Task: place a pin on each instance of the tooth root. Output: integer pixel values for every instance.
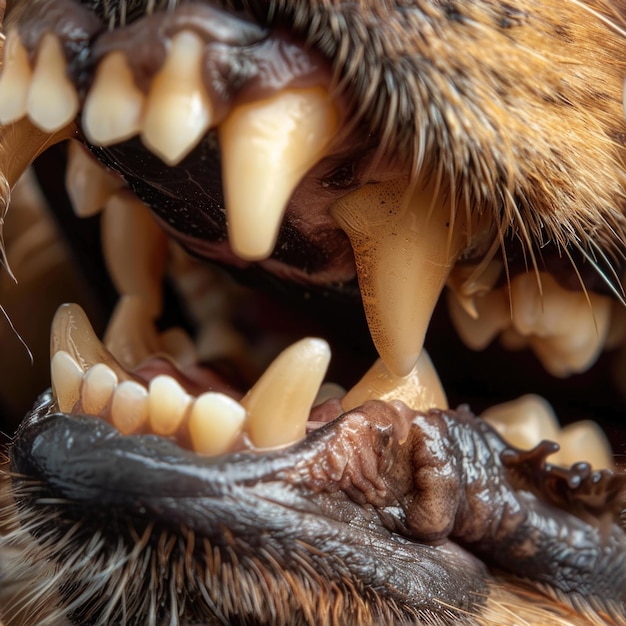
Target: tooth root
(524, 422)
(89, 185)
(267, 147)
(420, 390)
(15, 79)
(52, 101)
(215, 422)
(584, 441)
(135, 249)
(167, 405)
(280, 402)
(178, 111)
(129, 407)
(99, 383)
(113, 108)
(72, 333)
(66, 375)
(403, 252)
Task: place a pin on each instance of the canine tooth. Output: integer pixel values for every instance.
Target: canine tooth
(129, 407)
(72, 333)
(114, 106)
(167, 404)
(524, 422)
(15, 79)
(66, 376)
(89, 185)
(178, 111)
(420, 390)
(267, 147)
(215, 422)
(403, 249)
(584, 441)
(135, 249)
(52, 101)
(280, 402)
(99, 383)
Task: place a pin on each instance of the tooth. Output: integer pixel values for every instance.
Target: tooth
(565, 330)
(167, 405)
(114, 106)
(215, 422)
(72, 333)
(14, 80)
(89, 185)
(420, 390)
(524, 422)
(267, 147)
(135, 249)
(466, 282)
(178, 111)
(329, 391)
(66, 376)
(584, 441)
(403, 249)
(280, 402)
(52, 101)
(98, 386)
(129, 407)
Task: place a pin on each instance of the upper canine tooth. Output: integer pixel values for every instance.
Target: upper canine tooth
(52, 101)
(114, 106)
(280, 402)
(14, 80)
(404, 249)
(420, 390)
(267, 147)
(178, 110)
(89, 185)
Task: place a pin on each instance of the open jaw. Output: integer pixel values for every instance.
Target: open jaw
(337, 148)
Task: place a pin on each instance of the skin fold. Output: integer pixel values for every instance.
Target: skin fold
(381, 514)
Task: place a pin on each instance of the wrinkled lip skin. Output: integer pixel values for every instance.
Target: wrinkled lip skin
(393, 509)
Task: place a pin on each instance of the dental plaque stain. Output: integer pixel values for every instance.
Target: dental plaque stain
(282, 192)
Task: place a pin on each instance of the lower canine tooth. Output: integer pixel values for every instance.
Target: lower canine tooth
(178, 111)
(129, 407)
(167, 405)
(66, 376)
(52, 101)
(215, 422)
(267, 147)
(14, 80)
(404, 249)
(280, 402)
(98, 386)
(114, 106)
(420, 390)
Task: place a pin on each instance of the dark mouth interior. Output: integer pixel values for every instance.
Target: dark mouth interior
(308, 287)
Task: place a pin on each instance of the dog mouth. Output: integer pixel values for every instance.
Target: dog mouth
(227, 136)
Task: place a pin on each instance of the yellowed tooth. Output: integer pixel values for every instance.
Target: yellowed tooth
(404, 249)
(420, 390)
(524, 422)
(584, 441)
(99, 383)
(129, 407)
(15, 79)
(114, 106)
(52, 101)
(66, 376)
(215, 422)
(89, 185)
(178, 111)
(267, 147)
(280, 402)
(329, 391)
(167, 405)
(72, 333)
